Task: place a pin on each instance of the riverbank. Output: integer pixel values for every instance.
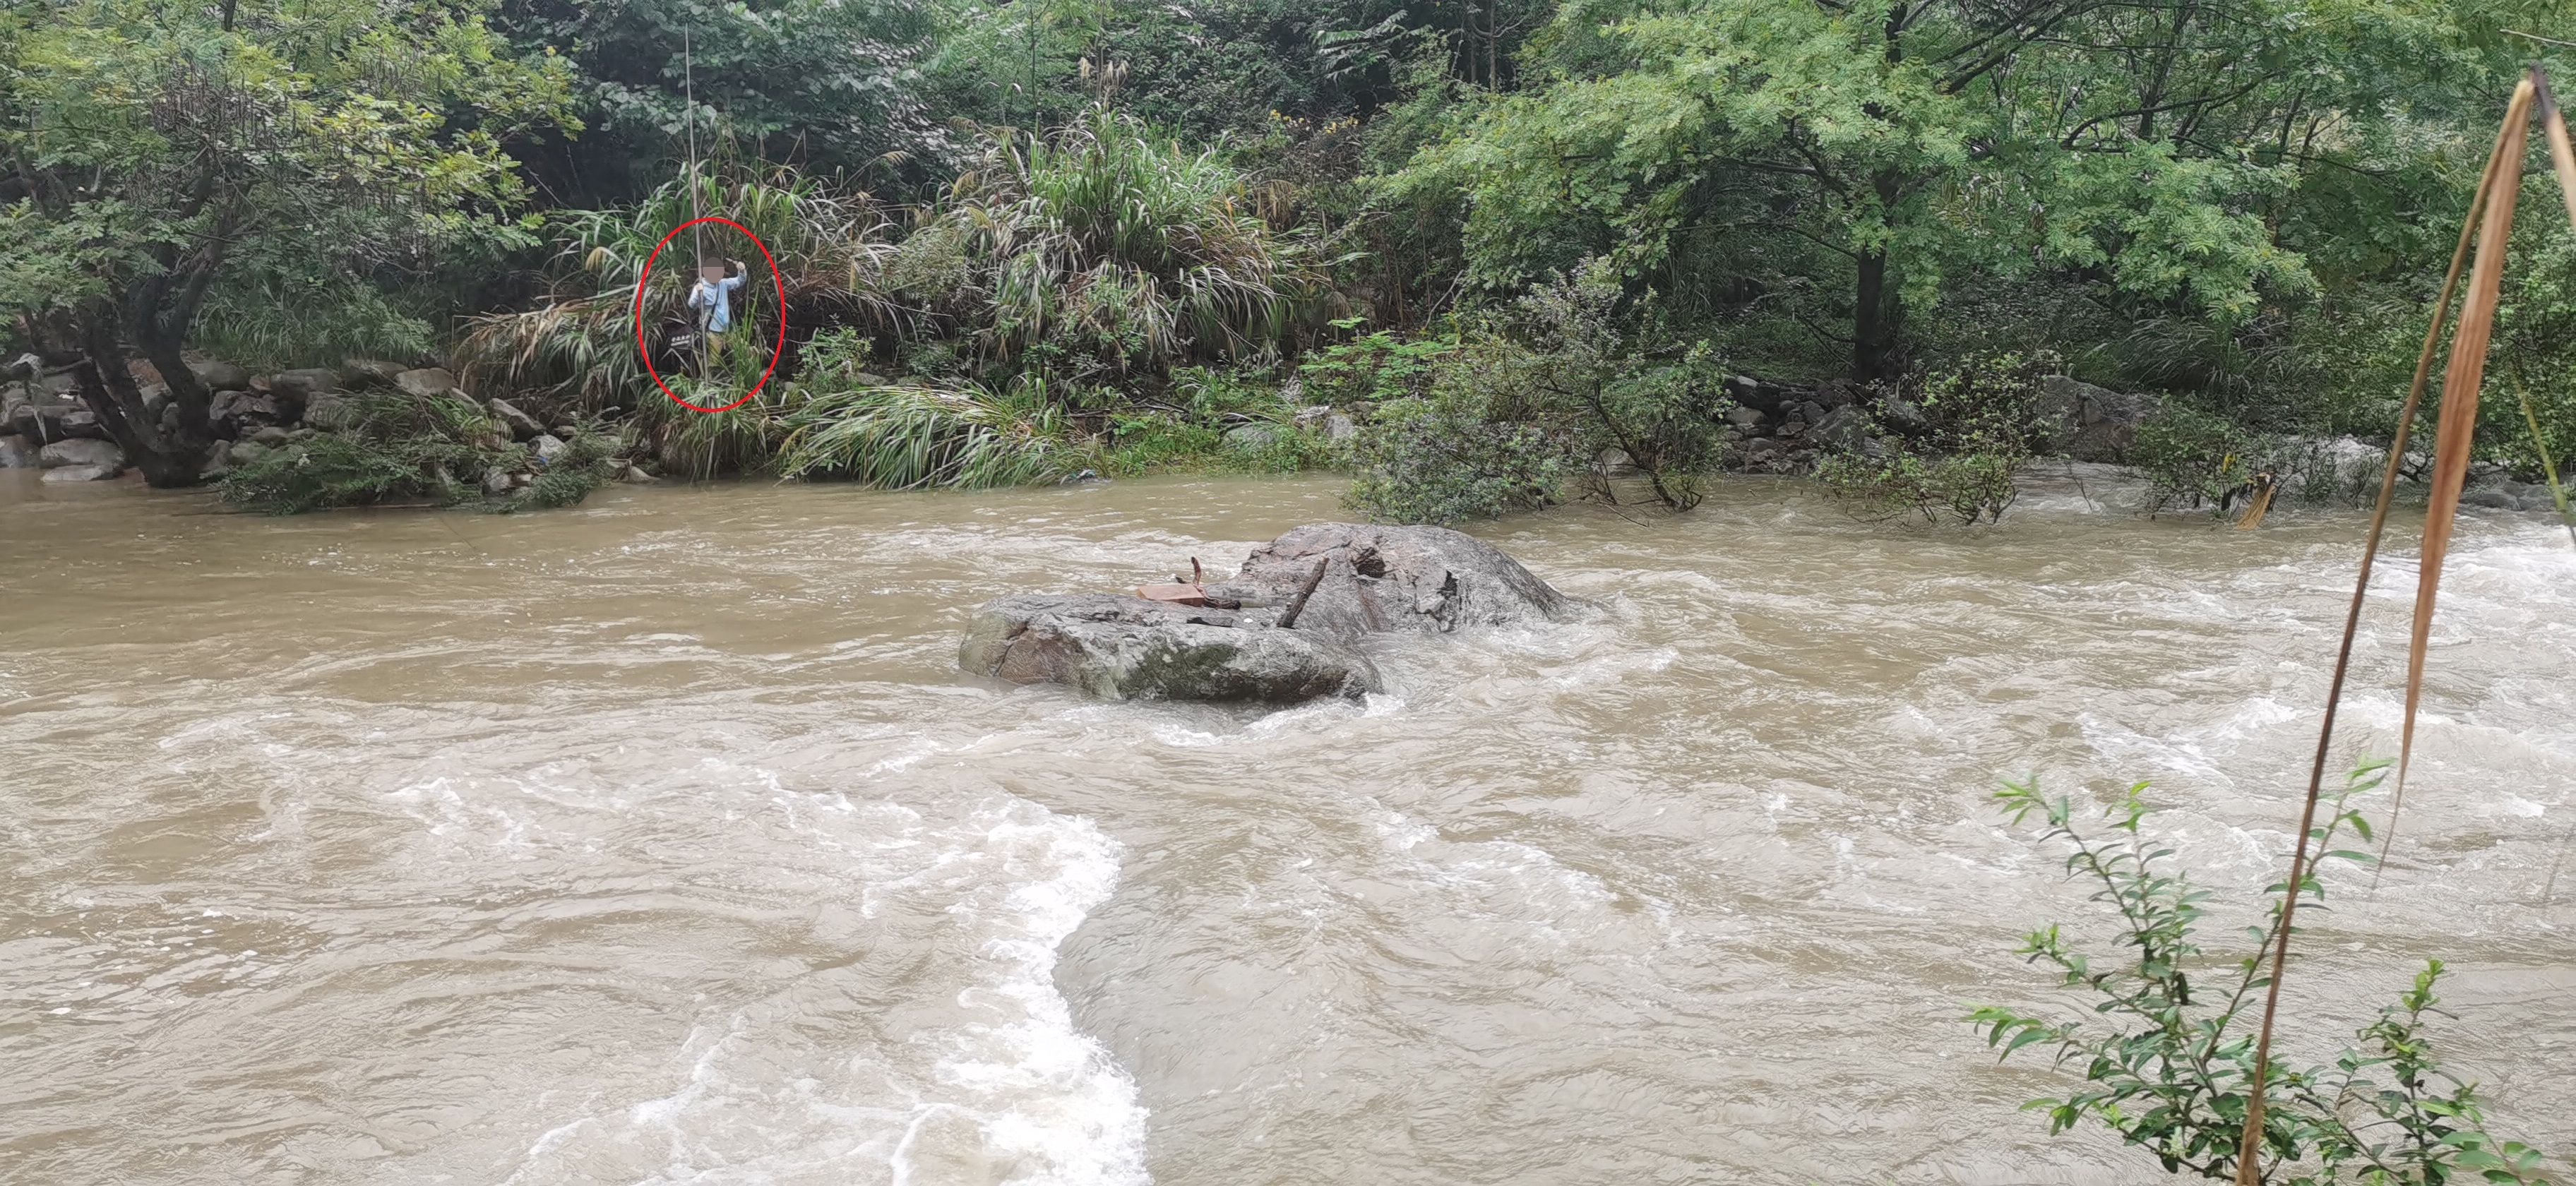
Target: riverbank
(660, 836)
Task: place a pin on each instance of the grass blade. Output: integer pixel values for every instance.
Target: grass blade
(2553, 128)
(2548, 464)
(2249, 1170)
(2456, 428)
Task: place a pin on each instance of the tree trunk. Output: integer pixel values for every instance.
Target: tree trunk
(1877, 315)
(106, 383)
(1873, 321)
(1493, 46)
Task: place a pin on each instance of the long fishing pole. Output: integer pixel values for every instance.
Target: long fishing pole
(697, 229)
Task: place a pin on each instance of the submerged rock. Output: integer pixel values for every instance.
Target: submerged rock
(80, 473)
(1127, 648)
(1379, 579)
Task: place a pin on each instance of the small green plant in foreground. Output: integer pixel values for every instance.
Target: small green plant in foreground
(2168, 1056)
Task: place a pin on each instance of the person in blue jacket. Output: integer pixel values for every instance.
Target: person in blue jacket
(711, 303)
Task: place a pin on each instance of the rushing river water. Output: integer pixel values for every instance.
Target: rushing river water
(659, 840)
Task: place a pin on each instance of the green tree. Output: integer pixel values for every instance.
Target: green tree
(827, 85)
(1851, 163)
(159, 153)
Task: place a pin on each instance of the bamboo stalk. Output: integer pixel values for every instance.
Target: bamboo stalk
(2250, 1146)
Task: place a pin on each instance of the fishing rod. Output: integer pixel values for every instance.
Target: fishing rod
(697, 228)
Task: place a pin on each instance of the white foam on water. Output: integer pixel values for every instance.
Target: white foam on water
(953, 1061)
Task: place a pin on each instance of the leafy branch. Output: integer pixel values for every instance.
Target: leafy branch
(2167, 1064)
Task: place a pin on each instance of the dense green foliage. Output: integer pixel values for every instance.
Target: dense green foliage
(1949, 446)
(1106, 253)
(2165, 1049)
(403, 450)
(168, 161)
(1525, 248)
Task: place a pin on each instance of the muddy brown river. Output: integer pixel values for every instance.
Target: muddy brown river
(659, 841)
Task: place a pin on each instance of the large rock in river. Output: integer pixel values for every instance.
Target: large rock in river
(1382, 579)
(1127, 648)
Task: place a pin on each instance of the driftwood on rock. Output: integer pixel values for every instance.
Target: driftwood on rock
(1392, 580)
(1285, 628)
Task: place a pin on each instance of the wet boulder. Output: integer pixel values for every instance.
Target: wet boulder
(522, 425)
(2091, 423)
(73, 453)
(370, 372)
(79, 473)
(1117, 647)
(52, 418)
(426, 382)
(240, 413)
(1351, 579)
(216, 375)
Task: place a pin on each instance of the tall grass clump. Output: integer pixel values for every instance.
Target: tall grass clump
(1105, 251)
(898, 437)
(577, 348)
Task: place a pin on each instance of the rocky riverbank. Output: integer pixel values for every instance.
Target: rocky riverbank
(45, 425)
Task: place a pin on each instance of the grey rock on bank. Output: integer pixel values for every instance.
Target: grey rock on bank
(371, 372)
(1843, 428)
(1127, 648)
(426, 382)
(522, 425)
(2092, 423)
(104, 454)
(241, 413)
(1392, 580)
(300, 385)
(217, 375)
(330, 412)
